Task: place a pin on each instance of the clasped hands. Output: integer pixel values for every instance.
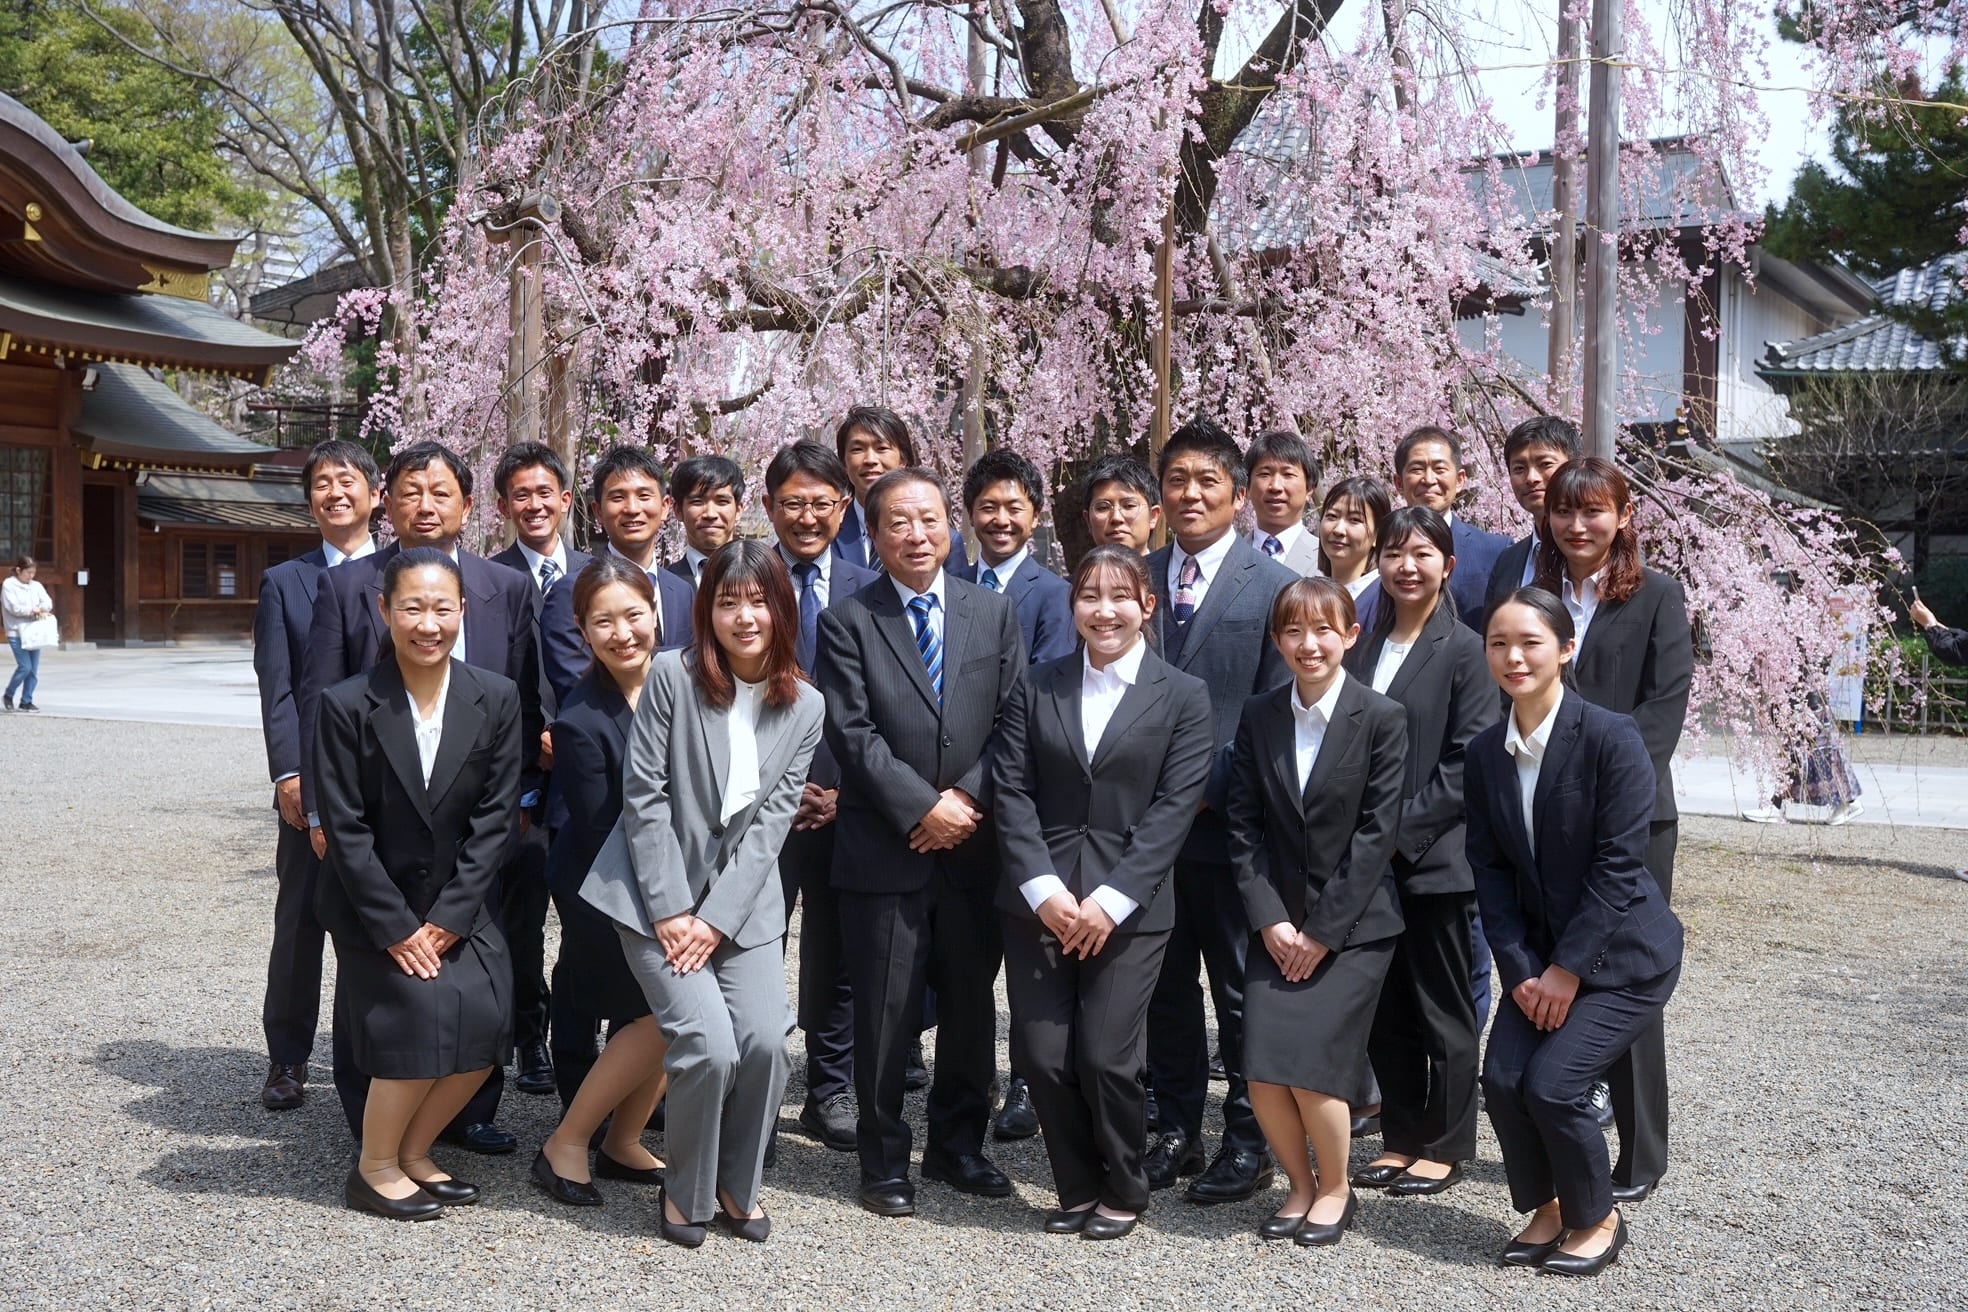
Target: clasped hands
(816, 807)
(1297, 953)
(1547, 999)
(953, 819)
(687, 941)
(1082, 928)
(423, 952)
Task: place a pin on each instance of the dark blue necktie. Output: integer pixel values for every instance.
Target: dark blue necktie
(927, 643)
(808, 574)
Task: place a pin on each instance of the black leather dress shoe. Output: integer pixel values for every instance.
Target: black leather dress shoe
(452, 1193)
(536, 1073)
(360, 1195)
(915, 1073)
(1632, 1193)
(574, 1193)
(1235, 1175)
(285, 1087)
(967, 1173)
(607, 1168)
(1366, 1127)
(1311, 1235)
(832, 1122)
(480, 1137)
(1519, 1253)
(1419, 1185)
(1067, 1223)
(1561, 1263)
(1108, 1227)
(1170, 1157)
(683, 1234)
(1280, 1227)
(1377, 1177)
(889, 1198)
(1600, 1099)
(1017, 1119)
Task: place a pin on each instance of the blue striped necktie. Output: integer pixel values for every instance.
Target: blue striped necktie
(927, 642)
(549, 575)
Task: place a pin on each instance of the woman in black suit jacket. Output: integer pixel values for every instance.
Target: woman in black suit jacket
(1425, 1031)
(616, 608)
(1559, 800)
(1635, 656)
(1102, 763)
(1315, 805)
(418, 768)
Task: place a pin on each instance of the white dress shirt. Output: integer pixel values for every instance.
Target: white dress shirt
(1309, 725)
(535, 559)
(1100, 696)
(695, 560)
(332, 555)
(1287, 539)
(1361, 584)
(650, 572)
(741, 775)
(1583, 601)
(1529, 754)
(1392, 656)
(1009, 566)
(429, 732)
(1530, 563)
(1208, 561)
(936, 612)
(823, 572)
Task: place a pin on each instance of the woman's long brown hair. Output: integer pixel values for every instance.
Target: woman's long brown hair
(739, 567)
(1592, 481)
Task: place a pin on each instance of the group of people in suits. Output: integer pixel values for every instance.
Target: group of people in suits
(1274, 760)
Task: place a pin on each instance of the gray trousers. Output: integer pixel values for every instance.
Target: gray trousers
(726, 1027)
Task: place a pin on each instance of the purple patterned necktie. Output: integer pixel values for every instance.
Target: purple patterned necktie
(1185, 590)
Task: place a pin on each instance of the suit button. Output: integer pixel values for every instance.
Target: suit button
(1083, 829)
(946, 740)
(716, 832)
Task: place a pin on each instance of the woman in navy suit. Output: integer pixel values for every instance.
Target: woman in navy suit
(1315, 805)
(615, 605)
(1560, 796)
(1103, 759)
(1635, 656)
(1424, 1039)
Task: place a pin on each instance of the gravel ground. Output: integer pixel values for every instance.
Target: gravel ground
(1820, 1048)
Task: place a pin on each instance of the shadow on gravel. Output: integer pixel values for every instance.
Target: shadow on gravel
(204, 1093)
(1834, 861)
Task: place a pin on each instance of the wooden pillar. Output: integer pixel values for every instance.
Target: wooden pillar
(1602, 221)
(66, 472)
(526, 381)
(129, 616)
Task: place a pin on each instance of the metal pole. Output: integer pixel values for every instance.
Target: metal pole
(1602, 204)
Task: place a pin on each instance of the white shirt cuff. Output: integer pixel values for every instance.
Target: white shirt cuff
(1036, 890)
(291, 774)
(1118, 905)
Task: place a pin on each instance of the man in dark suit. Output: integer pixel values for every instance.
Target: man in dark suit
(705, 493)
(1429, 470)
(534, 497)
(1284, 479)
(917, 669)
(871, 441)
(1123, 503)
(1532, 452)
(1213, 595)
(427, 496)
(630, 505)
(341, 481)
(806, 492)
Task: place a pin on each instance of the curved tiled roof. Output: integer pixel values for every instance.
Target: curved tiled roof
(1880, 343)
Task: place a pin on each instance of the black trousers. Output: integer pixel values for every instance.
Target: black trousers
(292, 1009)
(895, 942)
(826, 999)
(1079, 1036)
(1210, 931)
(1537, 1088)
(573, 1036)
(1424, 1038)
(523, 899)
(1638, 1080)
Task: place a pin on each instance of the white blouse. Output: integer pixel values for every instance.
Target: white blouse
(741, 775)
(430, 733)
(1392, 655)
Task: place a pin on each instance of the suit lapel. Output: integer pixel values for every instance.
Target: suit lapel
(1146, 690)
(1338, 736)
(483, 628)
(1433, 635)
(715, 725)
(1158, 568)
(1557, 758)
(1278, 744)
(1231, 576)
(1065, 696)
(464, 718)
(1607, 619)
(959, 618)
(397, 736)
(900, 631)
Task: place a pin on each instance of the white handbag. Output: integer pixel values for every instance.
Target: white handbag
(36, 634)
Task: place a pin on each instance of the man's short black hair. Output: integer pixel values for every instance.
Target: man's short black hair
(1203, 436)
(1544, 430)
(1003, 465)
(883, 423)
(420, 456)
(620, 460)
(1124, 469)
(338, 451)
(1426, 433)
(814, 459)
(702, 475)
(1286, 447)
(527, 455)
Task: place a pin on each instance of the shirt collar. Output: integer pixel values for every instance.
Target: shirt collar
(614, 551)
(1124, 669)
(1532, 748)
(1287, 537)
(1006, 568)
(1320, 711)
(533, 558)
(824, 562)
(334, 555)
(693, 560)
(908, 594)
(1208, 558)
(436, 720)
(1589, 590)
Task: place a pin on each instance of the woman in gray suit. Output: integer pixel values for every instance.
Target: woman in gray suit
(716, 761)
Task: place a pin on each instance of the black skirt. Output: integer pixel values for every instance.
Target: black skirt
(405, 1028)
(1312, 1035)
(591, 974)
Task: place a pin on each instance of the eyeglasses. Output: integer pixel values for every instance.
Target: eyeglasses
(821, 506)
